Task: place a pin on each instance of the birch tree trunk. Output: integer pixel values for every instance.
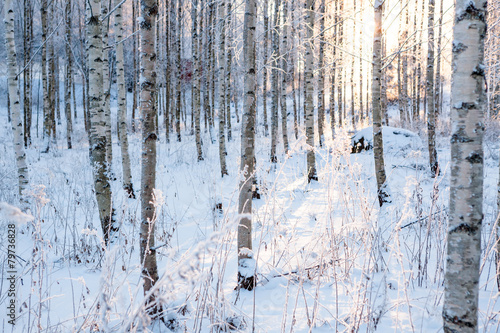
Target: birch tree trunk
(437, 84)
(122, 103)
(309, 110)
(274, 83)
(28, 44)
(148, 162)
(265, 71)
(227, 77)
(333, 77)
(196, 80)
(431, 113)
(15, 106)
(246, 262)
(179, 70)
(340, 85)
(378, 143)
(69, 75)
(105, 82)
(97, 119)
(45, 81)
(461, 281)
(222, 95)
(285, 77)
(321, 74)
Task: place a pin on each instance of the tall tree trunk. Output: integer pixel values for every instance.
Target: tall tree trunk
(196, 79)
(321, 74)
(106, 82)
(309, 111)
(179, 72)
(333, 77)
(246, 262)
(45, 81)
(340, 85)
(97, 119)
(361, 106)
(274, 83)
(353, 99)
(28, 37)
(15, 106)
(378, 143)
(285, 77)
(122, 102)
(265, 67)
(431, 113)
(292, 73)
(134, 63)
(461, 281)
(149, 11)
(227, 77)
(437, 85)
(222, 95)
(69, 75)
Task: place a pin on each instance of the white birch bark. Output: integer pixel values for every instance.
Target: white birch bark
(285, 77)
(378, 145)
(460, 308)
(222, 89)
(106, 82)
(246, 272)
(122, 103)
(196, 80)
(274, 83)
(69, 75)
(265, 70)
(431, 112)
(15, 105)
(309, 105)
(321, 74)
(147, 105)
(97, 119)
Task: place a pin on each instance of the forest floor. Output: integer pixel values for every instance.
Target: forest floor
(328, 259)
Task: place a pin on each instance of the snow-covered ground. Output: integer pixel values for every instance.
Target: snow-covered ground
(328, 259)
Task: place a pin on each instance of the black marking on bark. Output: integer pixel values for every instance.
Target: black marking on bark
(151, 137)
(459, 47)
(478, 71)
(466, 106)
(460, 138)
(471, 13)
(474, 158)
(152, 11)
(93, 20)
(464, 227)
(457, 320)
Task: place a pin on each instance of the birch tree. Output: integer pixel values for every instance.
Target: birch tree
(378, 143)
(69, 75)
(15, 105)
(431, 112)
(97, 118)
(285, 76)
(222, 95)
(246, 262)
(321, 73)
(122, 102)
(461, 281)
(309, 105)
(147, 107)
(196, 80)
(274, 83)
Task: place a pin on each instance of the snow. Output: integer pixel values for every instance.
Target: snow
(11, 214)
(327, 258)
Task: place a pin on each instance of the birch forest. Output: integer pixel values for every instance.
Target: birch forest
(250, 166)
